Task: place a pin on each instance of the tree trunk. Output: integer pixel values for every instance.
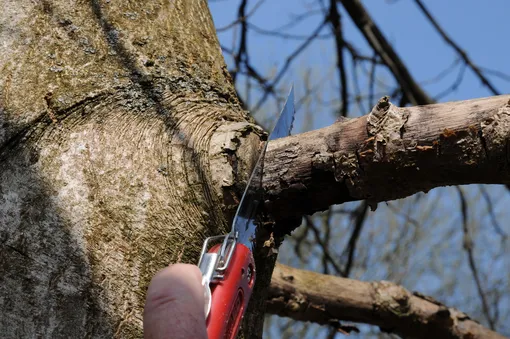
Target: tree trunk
(118, 138)
(123, 145)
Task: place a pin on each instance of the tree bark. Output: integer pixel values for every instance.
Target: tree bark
(123, 145)
(120, 135)
(389, 154)
(324, 299)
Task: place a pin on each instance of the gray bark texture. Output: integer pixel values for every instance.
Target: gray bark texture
(123, 146)
(119, 129)
(390, 153)
(325, 299)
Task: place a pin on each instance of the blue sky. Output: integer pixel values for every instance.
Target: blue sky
(481, 29)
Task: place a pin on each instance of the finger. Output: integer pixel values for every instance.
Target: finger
(174, 307)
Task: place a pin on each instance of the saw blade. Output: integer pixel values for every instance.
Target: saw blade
(243, 226)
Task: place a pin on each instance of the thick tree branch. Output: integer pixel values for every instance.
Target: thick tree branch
(388, 154)
(324, 299)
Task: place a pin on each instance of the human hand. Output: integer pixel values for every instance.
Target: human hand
(174, 307)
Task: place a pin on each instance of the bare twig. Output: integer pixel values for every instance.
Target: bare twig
(288, 36)
(492, 215)
(238, 57)
(455, 84)
(241, 19)
(496, 73)
(297, 19)
(323, 245)
(288, 61)
(443, 73)
(359, 221)
(410, 88)
(468, 246)
(326, 220)
(371, 89)
(456, 47)
(408, 218)
(336, 27)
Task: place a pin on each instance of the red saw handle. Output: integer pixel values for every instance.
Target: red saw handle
(230, 296)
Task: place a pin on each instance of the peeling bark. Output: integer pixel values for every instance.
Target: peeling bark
(389, 154)
(328, 300)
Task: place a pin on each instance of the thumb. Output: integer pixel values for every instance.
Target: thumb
(174, 307)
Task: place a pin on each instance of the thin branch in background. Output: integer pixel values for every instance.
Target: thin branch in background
(443, 73)
(455, 85)
(320, 84)
(288, 61)
(496, 73)
(459, 50)
(413, 93)
(297, 19)
(408, 218)
(360, 60)
(306, 101)
(242, 50)
(326, 221)
(378, 82)
(336, 26)
(492, 215)
(287, 323)
(356, 55)
(353, 99)
(320, 242)
(341, 211)
(241, 19)
(241, 57)
(263, 82)
(371, 83)
(299, 239)
(316, 88)
(248, 92)
(227, 50)
(359, 221)
(496, 296)
(287, 36)
(468, 246)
